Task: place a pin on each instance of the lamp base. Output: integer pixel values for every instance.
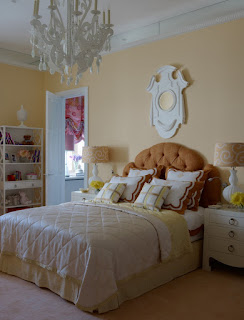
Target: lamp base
(94, 178)
(95, 175)
(232, 188)
(228, 191)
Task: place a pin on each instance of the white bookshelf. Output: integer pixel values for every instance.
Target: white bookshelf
(10, 148)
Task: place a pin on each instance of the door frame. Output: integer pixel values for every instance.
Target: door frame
(82, 91)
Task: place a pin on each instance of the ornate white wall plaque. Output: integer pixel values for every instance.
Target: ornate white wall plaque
(167, 110)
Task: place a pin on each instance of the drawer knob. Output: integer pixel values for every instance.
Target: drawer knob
(231, 234)
(231, 248)
(232, 221)
(15, 185)
(32, 184)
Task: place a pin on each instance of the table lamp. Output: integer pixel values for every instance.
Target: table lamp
(95, 155)
(230, 155)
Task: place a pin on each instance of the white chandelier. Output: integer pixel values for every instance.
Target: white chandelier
(79, 43)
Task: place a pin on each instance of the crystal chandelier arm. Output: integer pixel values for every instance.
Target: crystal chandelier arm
(86, 6)
(60, 21)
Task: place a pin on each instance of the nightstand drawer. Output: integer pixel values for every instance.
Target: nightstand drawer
(226, 232)
(82, 196)
(226, 246)
(226, 220)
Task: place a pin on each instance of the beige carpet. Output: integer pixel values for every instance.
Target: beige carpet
(199, 295)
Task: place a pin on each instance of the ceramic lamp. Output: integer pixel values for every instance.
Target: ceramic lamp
(95, 155)
(230, 155)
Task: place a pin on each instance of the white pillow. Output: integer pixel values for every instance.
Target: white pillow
(178, 175)
(179, 194)
(155, 172)
(111, 192)
(133, 186)
(151, 197)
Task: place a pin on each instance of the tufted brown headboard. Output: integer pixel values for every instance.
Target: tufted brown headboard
(182, 158)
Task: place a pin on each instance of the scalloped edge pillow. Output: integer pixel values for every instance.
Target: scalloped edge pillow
(179, 194)
(198, 175)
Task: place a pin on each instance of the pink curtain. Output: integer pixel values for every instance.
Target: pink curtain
(74, 118)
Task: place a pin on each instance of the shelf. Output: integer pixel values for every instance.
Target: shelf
(17, 163)
(21, 128)
(22, 145)
(21, 184)
(23, 205)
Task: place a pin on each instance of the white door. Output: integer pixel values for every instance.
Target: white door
(55, 149)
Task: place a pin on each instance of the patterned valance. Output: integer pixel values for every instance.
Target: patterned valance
(74, 118)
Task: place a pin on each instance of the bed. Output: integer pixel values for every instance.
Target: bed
(98, 255)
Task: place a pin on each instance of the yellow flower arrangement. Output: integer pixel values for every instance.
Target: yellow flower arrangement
(96, 185)
(237, 199)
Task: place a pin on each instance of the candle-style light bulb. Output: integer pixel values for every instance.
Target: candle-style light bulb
(108, 16)
(34, 10)
(104, 17)
(37, 7)
(95, 7)
(76, 5)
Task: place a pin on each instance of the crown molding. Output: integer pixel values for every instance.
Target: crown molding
(18, 59)
(223, 12)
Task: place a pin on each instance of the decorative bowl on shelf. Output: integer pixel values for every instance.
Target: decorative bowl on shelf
(31, 176)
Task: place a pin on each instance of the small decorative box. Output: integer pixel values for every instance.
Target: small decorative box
(31, 176)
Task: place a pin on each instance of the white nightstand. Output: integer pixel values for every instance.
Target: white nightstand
(81, 196)
(223, 237)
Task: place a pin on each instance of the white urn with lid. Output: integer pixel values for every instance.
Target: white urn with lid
(22, 116)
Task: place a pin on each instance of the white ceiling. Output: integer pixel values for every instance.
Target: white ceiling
(126, 15)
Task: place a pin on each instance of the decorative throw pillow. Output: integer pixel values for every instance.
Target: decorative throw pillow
(178, 175)
(179, 194)
(151, 197)
(111, 192)
(155, 172)
(199, 175)
(133, 186)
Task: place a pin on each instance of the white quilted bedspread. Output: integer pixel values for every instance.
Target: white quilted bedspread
(95, 244)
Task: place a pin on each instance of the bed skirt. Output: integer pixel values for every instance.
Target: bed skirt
(130, 288)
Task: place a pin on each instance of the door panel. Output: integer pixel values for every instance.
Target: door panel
(55, 149)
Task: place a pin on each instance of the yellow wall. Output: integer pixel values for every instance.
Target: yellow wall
(211, 60)
(21, 86)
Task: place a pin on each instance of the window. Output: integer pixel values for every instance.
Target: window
(72, 165)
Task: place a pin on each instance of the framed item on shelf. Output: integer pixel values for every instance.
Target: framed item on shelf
(6, 157)
(13, 158)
